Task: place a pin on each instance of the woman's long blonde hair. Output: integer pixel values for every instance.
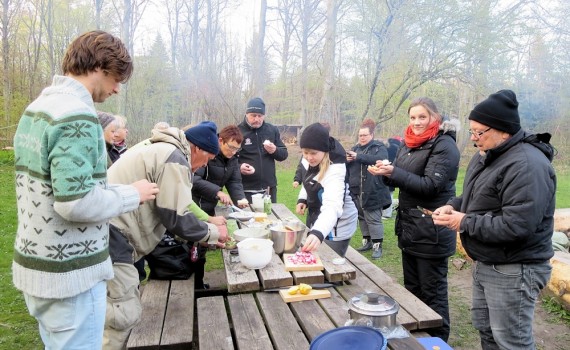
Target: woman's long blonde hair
(324, 166)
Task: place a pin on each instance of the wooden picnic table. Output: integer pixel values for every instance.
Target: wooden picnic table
(246, 317)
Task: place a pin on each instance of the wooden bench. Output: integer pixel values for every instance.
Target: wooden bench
(167, 320)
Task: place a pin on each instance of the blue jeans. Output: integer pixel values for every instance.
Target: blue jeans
(503, 303)
(72, 323)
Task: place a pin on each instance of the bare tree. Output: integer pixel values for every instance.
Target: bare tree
(328, 107)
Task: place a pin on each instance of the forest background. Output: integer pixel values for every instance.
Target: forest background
(336, 60)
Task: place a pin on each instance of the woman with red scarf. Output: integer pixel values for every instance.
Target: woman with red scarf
(425, 170)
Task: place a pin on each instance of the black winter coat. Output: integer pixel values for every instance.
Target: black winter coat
(373, 193)
(209, 180)
(254, 154)
(426, 177)
(509, 201)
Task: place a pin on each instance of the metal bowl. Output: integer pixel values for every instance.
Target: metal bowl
(287, 236)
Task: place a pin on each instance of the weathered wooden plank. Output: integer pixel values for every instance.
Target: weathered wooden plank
(179, 319)
(285, 332)
(311, 317)
(403, 317)
(282, 212)
(239, 277)
(146, 335)
(409, 343)
(336, 308)
(308, 277)
(213, 325)
(335, 273)
(426, 317)
(249, 330)
(274, 275)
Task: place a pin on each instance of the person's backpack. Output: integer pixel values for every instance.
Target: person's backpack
(172, 259)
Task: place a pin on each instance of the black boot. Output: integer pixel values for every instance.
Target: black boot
(366, 245)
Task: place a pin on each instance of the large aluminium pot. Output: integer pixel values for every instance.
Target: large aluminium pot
(374, 310)
(287, 236)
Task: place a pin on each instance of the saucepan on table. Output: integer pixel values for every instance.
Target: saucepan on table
(373, 310)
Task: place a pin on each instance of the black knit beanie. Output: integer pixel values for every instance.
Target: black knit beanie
(316, 137)
(499, 111)
(255, 105)
(205, 136)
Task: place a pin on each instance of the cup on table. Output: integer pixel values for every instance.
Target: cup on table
(257, 202)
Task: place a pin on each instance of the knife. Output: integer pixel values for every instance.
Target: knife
(314, 286)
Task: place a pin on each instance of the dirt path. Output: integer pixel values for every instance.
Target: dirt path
(548, 335)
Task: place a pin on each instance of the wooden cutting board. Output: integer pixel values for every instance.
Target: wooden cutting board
(314, 294)
(289, 266)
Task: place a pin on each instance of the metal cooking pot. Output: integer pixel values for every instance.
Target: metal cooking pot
(374, 310)
(287, 236)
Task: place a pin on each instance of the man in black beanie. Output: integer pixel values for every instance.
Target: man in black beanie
(261, 147)
(505, 218)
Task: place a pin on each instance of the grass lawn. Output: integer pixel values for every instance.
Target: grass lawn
(18, 330)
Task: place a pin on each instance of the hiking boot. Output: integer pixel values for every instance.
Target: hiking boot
(377, 250)
(366, 245)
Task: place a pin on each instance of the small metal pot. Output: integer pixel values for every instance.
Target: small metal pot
(374, 310)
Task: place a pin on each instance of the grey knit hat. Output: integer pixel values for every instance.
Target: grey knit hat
(105, 118)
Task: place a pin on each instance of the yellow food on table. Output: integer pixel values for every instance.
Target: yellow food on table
(293, 290)
(302, 288)
(305, 288)
(260, 217)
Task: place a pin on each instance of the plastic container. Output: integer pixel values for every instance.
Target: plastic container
(350, 338)
(255, 253)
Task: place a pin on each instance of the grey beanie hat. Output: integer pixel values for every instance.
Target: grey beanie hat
(105, 118)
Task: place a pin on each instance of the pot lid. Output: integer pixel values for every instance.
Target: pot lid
(373, 304)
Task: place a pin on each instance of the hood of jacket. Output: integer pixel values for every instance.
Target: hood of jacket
(174, 136)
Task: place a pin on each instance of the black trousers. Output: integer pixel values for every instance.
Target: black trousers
(427, 280)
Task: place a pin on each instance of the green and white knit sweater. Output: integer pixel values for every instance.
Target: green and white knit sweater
(64, 203)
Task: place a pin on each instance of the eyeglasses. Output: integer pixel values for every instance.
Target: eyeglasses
(233, 148)
(478, 134)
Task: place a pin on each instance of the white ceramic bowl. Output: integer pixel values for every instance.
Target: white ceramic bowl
(250, 232)
(255, 253)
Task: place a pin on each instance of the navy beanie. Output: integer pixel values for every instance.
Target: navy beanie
(316, 137)
(255, 105)
(205, 136)
(499, 111)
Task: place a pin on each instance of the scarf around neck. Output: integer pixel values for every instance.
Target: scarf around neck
(413, 141)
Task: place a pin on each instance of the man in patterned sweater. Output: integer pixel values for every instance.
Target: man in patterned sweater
(61, 252)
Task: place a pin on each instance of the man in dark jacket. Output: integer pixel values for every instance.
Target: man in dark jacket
(505, 218)
(262, 146)
(368, 191)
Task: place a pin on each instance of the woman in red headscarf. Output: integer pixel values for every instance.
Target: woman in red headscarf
(425, 170)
